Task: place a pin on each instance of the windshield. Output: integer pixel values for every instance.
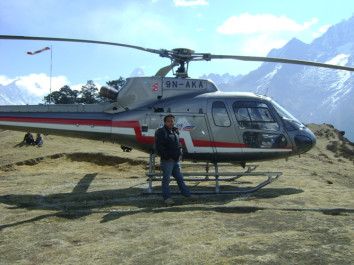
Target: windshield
(291, 123)
(254, 115)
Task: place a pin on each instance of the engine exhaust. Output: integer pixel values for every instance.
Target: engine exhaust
(109, 92)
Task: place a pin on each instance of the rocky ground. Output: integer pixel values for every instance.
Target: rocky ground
(75, 201)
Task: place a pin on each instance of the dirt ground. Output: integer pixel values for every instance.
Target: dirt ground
(76, 201)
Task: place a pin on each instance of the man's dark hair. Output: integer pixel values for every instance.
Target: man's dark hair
(169, 116)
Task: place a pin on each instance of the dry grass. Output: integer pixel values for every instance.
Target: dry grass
(79, 202)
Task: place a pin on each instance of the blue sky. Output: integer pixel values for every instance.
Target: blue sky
(251, 27)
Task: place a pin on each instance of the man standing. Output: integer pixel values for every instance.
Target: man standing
(170, 150)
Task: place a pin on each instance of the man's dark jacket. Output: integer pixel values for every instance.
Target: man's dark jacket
(170, 146)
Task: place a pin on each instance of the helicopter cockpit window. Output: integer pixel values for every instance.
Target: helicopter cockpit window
(254, 115)
(290, 122)
(220, 115)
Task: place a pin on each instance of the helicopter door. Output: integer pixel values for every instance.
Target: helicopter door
(194, 134)
(224, 133)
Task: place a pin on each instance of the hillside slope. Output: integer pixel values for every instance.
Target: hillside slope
(76, 201)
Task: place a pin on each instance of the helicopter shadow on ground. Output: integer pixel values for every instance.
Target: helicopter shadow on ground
(21, 144)
(215, 203)
(80, 202)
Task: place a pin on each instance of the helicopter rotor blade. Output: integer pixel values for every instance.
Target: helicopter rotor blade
(180, 56)
(165, 70)
(208, 57)
(13, 37)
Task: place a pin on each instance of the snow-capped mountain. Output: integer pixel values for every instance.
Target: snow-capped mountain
(311, 94)
(224, 81)
(11, 94)
(137, 72)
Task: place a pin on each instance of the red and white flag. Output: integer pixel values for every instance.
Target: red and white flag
(42, 50)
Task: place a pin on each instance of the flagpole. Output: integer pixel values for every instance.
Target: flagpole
(51, 67)
(50, 79)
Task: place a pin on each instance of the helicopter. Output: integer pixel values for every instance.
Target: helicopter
(214, 126)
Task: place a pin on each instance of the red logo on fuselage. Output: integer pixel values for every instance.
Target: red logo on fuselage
(155, 87)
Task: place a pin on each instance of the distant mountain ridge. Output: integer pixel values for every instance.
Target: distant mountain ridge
(11, 94)
(312, 94)
(225, 81)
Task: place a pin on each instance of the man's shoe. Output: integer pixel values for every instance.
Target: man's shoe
(169, 201)
(190, 198)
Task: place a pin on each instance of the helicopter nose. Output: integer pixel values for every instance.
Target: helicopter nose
(305, 141)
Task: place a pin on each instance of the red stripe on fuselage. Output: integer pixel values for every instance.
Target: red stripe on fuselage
(202, 143)
(136, 126)
(124, 124)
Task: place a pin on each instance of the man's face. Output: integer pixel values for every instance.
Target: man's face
(170, 123)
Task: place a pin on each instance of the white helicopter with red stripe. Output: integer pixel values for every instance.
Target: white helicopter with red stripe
(214, 126)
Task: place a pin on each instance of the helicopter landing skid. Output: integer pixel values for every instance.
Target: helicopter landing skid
(214, 176)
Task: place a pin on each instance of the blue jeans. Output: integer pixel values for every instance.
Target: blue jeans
(168, 169)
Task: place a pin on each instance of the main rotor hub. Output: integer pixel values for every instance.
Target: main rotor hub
(183, 51)
(182, 56)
